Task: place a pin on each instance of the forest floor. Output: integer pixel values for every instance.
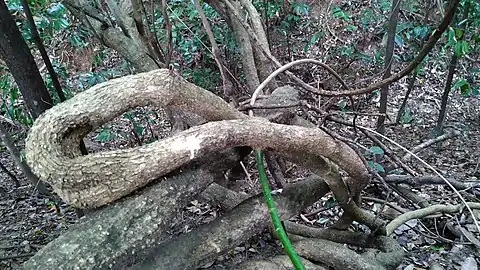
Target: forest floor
(28, 221)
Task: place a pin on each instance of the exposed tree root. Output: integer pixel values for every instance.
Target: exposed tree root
(191, 250)
(100, 178)
(416, 181)
(120, 233)
(137, 225)
(281, 262)
(427, 143)
(383, 252)
(420, 213)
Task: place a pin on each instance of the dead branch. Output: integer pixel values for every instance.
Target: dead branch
(336, 255)
(15, 154)
(285, 67)
(428, 180)
(390, 256)
(168, 28)
(427, 143)
(227, 85)
(421, 213)
(226, 198)
(125, 40)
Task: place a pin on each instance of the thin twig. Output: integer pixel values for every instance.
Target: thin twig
(377, 200)
(434, 37)
(250, 107)
(288, 66)
(168, 28)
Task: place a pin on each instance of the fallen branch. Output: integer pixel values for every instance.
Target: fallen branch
(420, 213)
(416, 181)
(191, 250)
(427, 143)
(15, 154)
(390, 255)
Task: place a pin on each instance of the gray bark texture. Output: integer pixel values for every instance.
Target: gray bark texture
(132, 229)
(123, 233)
(191, 250)
(97, 179)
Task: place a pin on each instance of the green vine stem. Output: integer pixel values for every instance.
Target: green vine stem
(277, 225)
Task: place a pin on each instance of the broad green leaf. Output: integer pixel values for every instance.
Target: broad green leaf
(138, 129)
(378, 167)
(377, 150)
(406, 117)
(399, 40)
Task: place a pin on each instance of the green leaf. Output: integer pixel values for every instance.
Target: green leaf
(458, 33)
(399, 40)
(105, 135)
(56, 10)
(301, 8)
(376, 150)
(376, 166)
(406, 117)
(463, 85)
(138, 129)
(351, 28)
(322, 220)
(420, 31)
(450, 37)
(331, 202)
(339, 13)
(461, 48)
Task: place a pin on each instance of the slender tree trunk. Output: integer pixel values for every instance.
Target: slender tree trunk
(15, 154)
(413, 77)
(16, 54)
(448, 84)
(392, 29)
(43, 52)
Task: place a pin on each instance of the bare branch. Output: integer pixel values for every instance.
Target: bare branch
(420, 213)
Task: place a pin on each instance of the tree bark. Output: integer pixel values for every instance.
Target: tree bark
(16, 54)
(392, 31)
(123, 233)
